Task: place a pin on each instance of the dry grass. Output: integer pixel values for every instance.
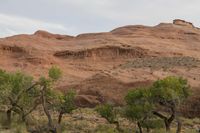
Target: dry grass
(88, 121)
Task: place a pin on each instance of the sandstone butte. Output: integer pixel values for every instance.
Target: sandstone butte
(104, 66)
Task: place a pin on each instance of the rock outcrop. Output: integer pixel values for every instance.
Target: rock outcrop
(104, 53)
(183, 23)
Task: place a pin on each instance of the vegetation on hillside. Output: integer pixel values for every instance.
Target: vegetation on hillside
(151, 109)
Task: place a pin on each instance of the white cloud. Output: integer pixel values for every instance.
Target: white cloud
(119, 13)
(11, 25)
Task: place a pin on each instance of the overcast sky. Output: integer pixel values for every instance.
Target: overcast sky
(73, 17)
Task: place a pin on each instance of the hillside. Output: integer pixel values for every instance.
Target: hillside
(103, 66)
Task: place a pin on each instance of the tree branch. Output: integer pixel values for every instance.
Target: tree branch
(24, 91)
(172, 117)
(33, 108)
(160, 115)
(50, 124)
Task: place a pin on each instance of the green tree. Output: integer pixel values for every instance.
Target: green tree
(53, 99)
(18, 92)
(22, 95)
(139, 108)
(65, 104)
(49, 95)
(169, 93)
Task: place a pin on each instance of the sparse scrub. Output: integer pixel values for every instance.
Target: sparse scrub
(29, 105)
(162, 62)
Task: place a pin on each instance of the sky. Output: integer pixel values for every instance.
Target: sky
(73, 17)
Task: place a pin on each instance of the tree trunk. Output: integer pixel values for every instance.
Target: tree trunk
(167, 121)
(46, 111)
(48, 115)
(53, 130)
(148, 130)
(167, 126)
(9, 113)
(23, 117)
(179, 125)
(60, 117)
(140, 127)
(170, 119)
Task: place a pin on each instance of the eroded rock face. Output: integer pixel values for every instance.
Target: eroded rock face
(108, 52)
(183, 23)
(13, 49)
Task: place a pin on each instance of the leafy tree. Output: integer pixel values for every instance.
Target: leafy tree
(46, 97)
(54, 99)
(17, 93)
(49, 95)
(139, 108)
(107, 111)
(66, 104)
(169, 93)
(22, 95)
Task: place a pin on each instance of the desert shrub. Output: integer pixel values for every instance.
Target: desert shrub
(107, 112)
(55, 73)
